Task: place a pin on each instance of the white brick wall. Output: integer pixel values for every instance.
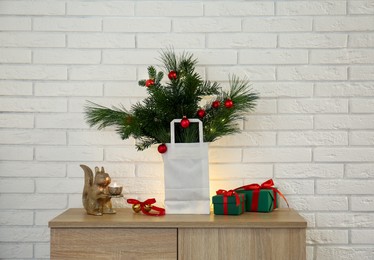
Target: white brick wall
(312, 62)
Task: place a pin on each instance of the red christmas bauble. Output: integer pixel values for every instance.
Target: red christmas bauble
(162, 148)
(216, 104)
(229, 103)
(185, 122)
(149, 82)
(172, 75)
(201, 113)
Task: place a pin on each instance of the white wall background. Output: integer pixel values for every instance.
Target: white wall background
(313, 131)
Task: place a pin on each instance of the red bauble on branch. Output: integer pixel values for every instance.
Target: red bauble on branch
(185, 122)
(201, 113)
(216, 104)
(172, 75)
(229, 103)
(149, 82)
(162, 148)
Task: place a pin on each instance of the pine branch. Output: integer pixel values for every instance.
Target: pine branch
(159, 77)
(208, 88)
(222, 121)
(152, 72)
(169, 59)
(184, 64)
(100, 116)
(187, 64)
(144, 143)
(241, 94)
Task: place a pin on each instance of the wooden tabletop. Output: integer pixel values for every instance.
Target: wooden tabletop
(126, 218)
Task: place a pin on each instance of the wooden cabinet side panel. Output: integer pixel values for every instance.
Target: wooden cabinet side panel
(113, 243)
(223, 244)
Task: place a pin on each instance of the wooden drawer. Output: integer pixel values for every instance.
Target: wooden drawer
(113, 243)
(249, 244)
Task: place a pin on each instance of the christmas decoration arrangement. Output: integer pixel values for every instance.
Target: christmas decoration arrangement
(180, 96)
(146, 207)
(257, 198)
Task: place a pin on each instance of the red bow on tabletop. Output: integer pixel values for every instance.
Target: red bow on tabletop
(226, 194)
(256, 190)
(161, 211)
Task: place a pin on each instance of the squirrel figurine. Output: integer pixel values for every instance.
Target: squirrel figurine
(96, 197)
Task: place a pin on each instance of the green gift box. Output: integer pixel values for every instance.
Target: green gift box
(229, 207)
(264, 202)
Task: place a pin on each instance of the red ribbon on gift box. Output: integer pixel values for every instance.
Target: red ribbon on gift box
(161, 211)
(256, 192)
(226, 194)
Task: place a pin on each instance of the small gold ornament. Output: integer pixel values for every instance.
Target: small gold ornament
(136, 208)
(148, 207)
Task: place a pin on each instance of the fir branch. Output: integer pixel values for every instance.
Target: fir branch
(159, 77)
(183, 64)
(144, 143)
(142, 82)
(241, 94)
(208, 88)
(100, 116)
(187, 64)
(152, 72)
(169, 59)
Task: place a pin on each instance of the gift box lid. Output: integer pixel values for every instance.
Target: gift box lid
(218, 199)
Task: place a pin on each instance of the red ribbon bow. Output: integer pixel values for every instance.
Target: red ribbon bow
(256, 192)
(161, 211)
(226, 194)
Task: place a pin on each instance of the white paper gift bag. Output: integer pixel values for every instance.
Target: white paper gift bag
(186, 175)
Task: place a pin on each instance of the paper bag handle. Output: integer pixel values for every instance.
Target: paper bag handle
(192, 120)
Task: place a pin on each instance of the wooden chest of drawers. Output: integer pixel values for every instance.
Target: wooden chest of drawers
(279, 235)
